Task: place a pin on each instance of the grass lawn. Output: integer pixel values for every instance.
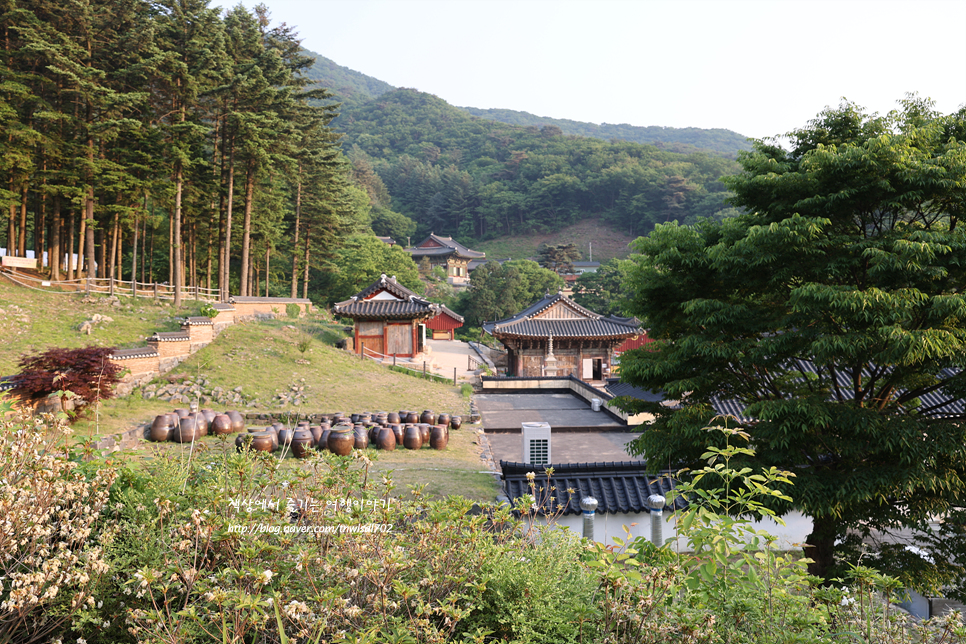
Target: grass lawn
(607, 243)
(265, 360)
(32, 321)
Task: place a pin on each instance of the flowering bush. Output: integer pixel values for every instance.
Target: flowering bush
(49, 555)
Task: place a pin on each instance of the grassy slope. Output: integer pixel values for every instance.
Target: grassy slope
(607, 242)
(261, 358)
(51, 318)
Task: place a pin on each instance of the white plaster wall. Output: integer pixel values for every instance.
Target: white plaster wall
(608, 526)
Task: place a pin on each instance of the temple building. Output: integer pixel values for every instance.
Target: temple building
(558, 337)
(388, 319)
(452, 255)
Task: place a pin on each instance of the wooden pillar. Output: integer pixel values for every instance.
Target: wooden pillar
(355, 337)
(385, 337)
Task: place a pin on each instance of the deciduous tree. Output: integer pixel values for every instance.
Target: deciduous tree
(832, 313)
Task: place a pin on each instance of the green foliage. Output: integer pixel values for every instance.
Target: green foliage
(499, 291)
(847, 265)
(208, 310)
(475, 179)
(466, 389)
(602, 291)
(293, 310)
(361, 261)
(512, 579)
(559, 258)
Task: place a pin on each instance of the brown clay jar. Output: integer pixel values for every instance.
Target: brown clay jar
(412, 417)
(341, 440)
(209, 415)
(323, 442)
(220, 424)
(398, 431)
(361, 435)
(316, 434)
(186, 431)
(443, 419)
(413, 438)
(237, 421)
(162, 427)
(424, 429)
(455, 422)
(386, 439)
(428, 417)
(302, 442)
(438, 438)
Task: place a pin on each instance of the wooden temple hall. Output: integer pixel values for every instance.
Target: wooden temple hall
(558, 337)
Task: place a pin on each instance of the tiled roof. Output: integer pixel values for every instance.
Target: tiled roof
(445, 311)
(386, 240)
(6, 383)
(619, 487)
(449, 246)
(222, 306)
(936, 402)
(408, 306)
(169, 336)
(386, 309)
(130, 354)
(526, 323)
(198, 320)
(476, 263)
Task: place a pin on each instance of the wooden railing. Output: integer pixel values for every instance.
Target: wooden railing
(111, 286)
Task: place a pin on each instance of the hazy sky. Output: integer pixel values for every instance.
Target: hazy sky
(758, 67)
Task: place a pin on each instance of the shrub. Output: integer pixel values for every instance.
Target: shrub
(49, 560)
(85, 374)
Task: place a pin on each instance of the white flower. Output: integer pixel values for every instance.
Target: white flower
(847, 601)
(81, 640)
(266, 577)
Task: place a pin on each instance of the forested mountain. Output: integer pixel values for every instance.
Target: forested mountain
(471, 178)
(686, 139)
(347, 86)
(354, 87)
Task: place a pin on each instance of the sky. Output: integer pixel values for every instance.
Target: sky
(757, 67)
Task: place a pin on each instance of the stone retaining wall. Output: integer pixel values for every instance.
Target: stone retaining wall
(166, 350)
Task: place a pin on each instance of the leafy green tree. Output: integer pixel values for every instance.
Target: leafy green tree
(499, 291)
(603, 291)
(362, 260)
(832, 312)
(559, 258)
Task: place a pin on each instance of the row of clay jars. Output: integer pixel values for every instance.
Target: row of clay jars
(182, 427)
(402, 417)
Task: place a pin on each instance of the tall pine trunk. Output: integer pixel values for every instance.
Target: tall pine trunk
(305, 262)
(56, 252)
(295, 241)
(247, 227)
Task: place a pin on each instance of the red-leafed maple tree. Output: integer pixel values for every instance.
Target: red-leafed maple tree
(87, 375)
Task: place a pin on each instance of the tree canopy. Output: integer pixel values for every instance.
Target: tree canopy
(832, 315)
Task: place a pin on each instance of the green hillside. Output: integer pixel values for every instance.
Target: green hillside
(685, 139)
(353, 88)
(475, 179)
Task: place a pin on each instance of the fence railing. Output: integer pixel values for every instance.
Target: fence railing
(416, 369)
(111, 286)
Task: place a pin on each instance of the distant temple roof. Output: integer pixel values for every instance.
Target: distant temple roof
(578, 322)
(386, 298)
(436, 246)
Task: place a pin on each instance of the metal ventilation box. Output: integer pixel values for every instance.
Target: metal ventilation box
(536, 443)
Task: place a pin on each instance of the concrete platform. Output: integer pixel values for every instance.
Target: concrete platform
(567, 447)
(563, 411)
